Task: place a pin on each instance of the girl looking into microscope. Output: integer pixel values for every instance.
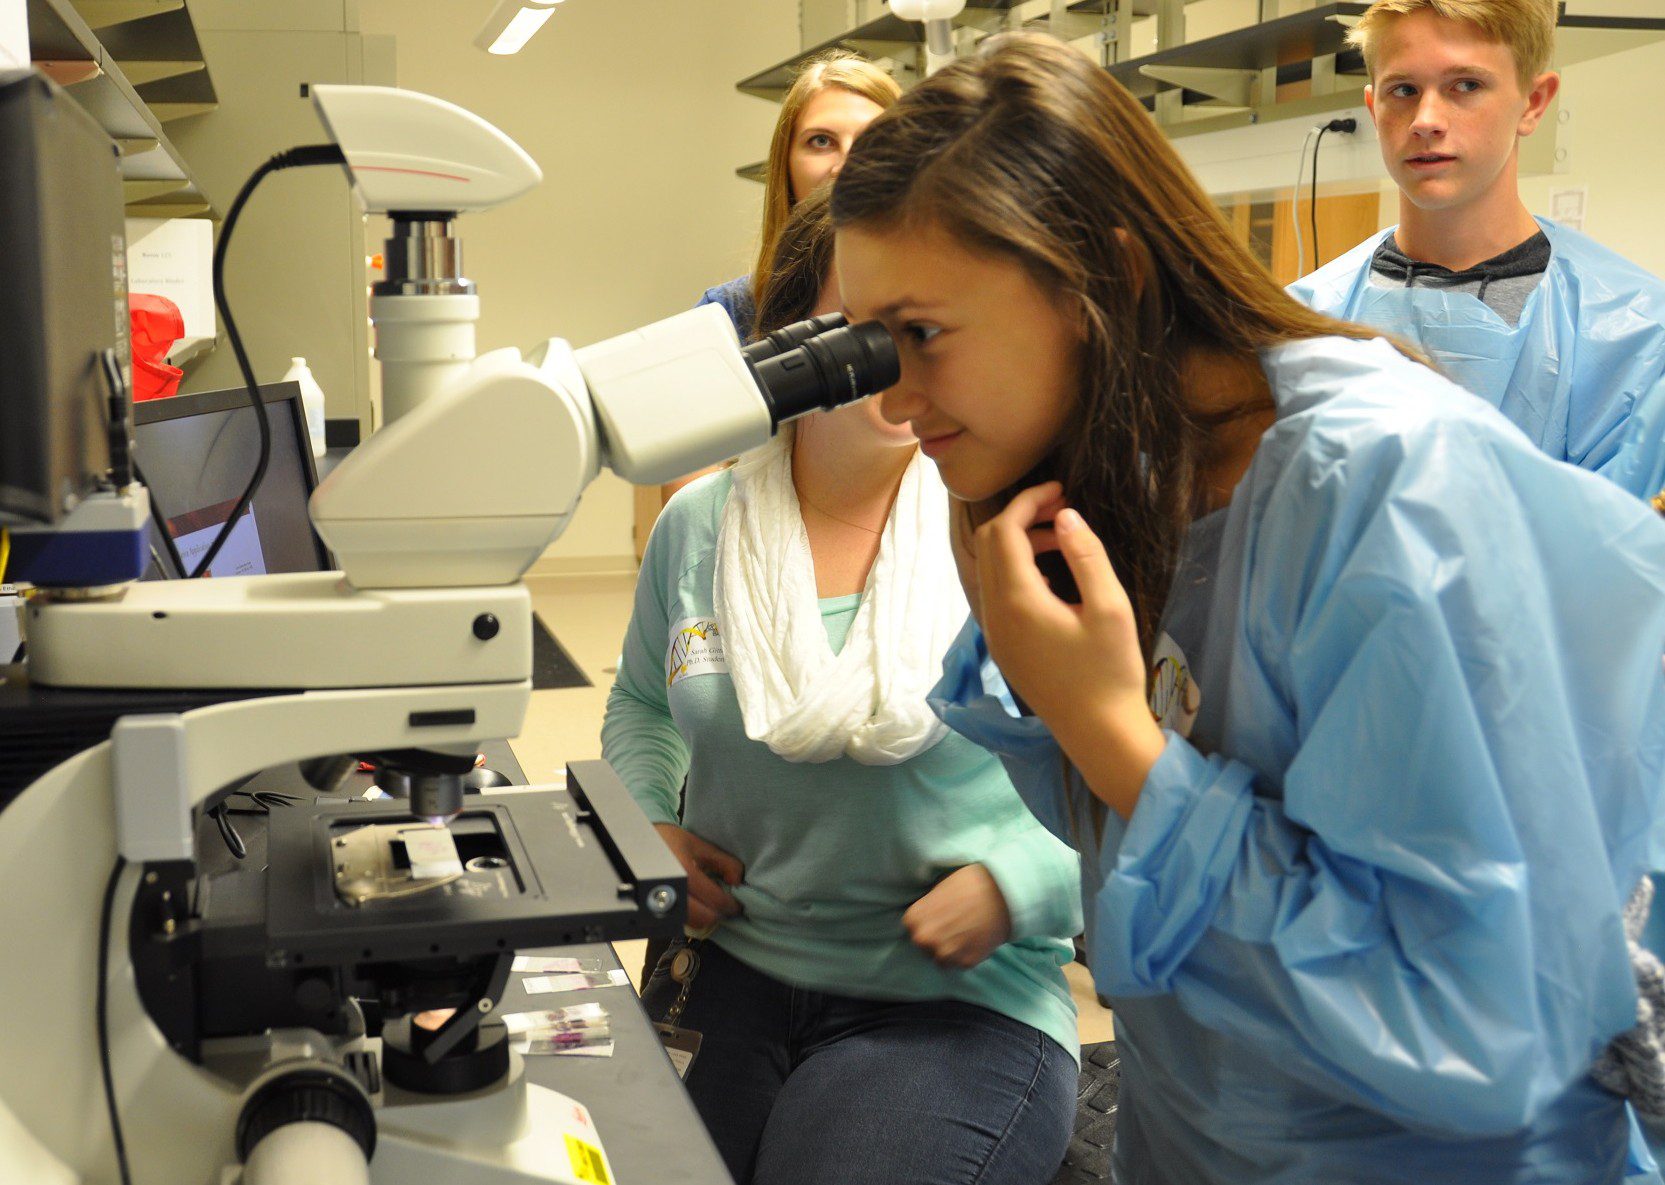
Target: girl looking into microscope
(1355, 709)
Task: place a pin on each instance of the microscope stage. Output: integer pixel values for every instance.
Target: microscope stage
(540, 868)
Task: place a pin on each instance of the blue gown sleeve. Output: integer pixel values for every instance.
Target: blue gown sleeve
(1404, 881)
(972, 698)
(1638, 460)
(1038, 867)
(736, 299)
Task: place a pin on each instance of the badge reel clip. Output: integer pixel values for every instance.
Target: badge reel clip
(682, 1045)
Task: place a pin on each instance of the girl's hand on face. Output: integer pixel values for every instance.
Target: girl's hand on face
(962, 921)
(709, 870)
(1078, 667)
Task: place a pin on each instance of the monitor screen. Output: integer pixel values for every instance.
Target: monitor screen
(198, 452)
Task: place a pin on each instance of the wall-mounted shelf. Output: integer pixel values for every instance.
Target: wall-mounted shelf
(101, 14)
(885, 36)
(163, 59)
(1221, 69)
(148, 44)
(1281, 43)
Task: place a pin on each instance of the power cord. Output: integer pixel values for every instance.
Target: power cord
(1347, 126)
(118, 403)
(313, 154)
(104, 1020)
(233, 840)
(262, 802)
(1295, 204)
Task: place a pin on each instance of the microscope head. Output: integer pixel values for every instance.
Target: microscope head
(410, 152)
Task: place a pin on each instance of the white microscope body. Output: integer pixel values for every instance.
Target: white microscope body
(421, 642)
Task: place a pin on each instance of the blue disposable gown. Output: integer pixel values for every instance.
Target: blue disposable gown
(1364, 925)
(1582, 374)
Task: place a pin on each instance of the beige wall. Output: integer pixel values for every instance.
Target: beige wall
(1612, 137)
(629, 107)
(822, 20)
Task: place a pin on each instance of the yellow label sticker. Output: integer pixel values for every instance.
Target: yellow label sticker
(587, 1162)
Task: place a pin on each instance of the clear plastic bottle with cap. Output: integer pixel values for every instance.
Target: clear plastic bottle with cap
(312, 399)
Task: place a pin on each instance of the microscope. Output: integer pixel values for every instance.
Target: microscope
(167, 1026)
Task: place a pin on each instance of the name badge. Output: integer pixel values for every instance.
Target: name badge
(696, 649)
(1174, 696)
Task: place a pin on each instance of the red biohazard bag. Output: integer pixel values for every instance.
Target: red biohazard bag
(156, 324)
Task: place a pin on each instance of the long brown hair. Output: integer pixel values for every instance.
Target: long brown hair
(837, 68)
(1031, 152)
(789, 284)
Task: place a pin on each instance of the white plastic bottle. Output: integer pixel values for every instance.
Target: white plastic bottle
(312, 398)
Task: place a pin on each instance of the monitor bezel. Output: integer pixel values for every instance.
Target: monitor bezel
(286, 396)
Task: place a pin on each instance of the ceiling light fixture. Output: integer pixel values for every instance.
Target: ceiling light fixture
(512, 24)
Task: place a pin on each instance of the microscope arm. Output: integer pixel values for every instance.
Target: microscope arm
(474, 481)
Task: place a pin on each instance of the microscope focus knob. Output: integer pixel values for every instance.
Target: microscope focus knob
(310, 1095)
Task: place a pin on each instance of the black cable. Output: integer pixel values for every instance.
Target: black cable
(314, 154)
(1312, 206)
(258, 802)
(1335, 125)
(104, 1021)
(160, 518)
(118, 404)
(228, 832)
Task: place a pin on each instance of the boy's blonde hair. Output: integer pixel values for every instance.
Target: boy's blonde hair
(1526, 27)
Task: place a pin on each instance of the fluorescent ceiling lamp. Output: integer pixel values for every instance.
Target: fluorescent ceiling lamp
(512, 24)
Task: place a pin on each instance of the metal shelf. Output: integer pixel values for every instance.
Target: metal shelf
(1141, 8)
(101, 14)
(1281, 43)
(889, 36)
(883, 37)
(1289, 44)
(158, 38)
(160, 48)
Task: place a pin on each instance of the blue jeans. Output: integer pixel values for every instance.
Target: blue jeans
(808, 1088)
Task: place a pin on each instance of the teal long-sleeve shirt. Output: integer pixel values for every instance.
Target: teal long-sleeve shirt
(834, 852)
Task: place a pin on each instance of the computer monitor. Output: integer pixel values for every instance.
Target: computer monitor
(63, 301)
(197, 453)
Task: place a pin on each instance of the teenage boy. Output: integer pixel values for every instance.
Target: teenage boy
(1564, 337)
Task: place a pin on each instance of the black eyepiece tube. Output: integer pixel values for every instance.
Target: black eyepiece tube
(835, 367)
(791, 337)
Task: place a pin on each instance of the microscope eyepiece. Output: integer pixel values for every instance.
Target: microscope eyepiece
(826, 368)
(791, 336)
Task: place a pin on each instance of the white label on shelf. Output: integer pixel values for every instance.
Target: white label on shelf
(174, 257)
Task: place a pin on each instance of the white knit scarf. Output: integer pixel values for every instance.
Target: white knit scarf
(796, 696)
